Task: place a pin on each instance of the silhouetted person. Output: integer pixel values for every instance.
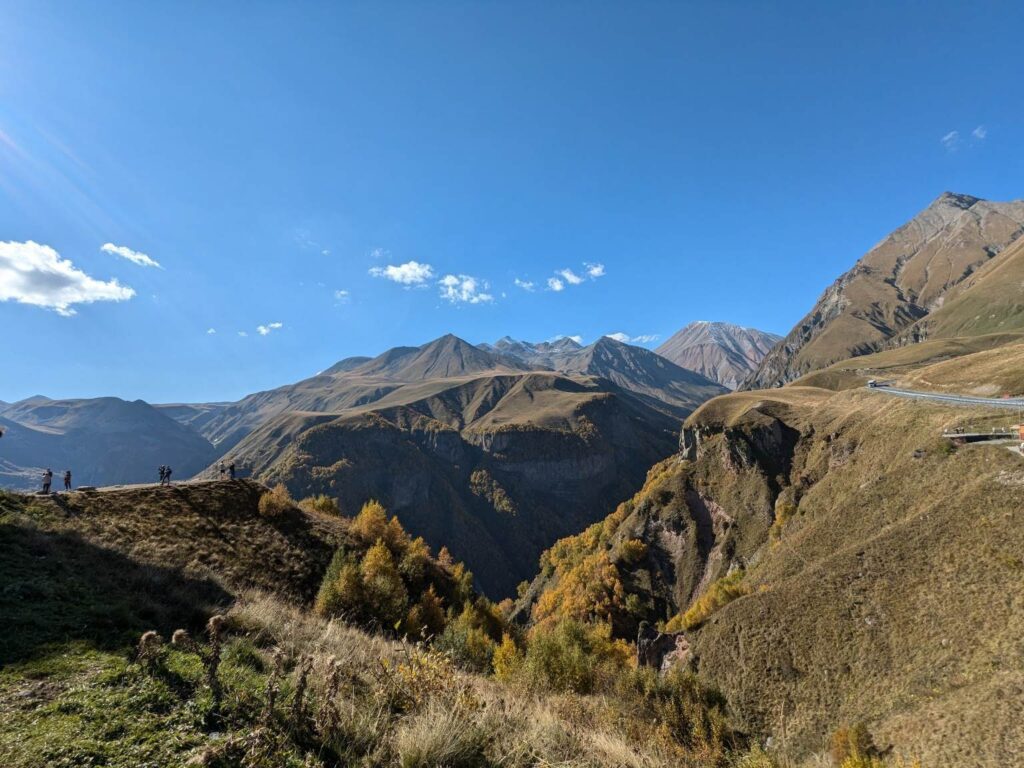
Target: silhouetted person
(47, 479)
(163, 474)
(67, 480)
(167, 475)
(222, 470)
(231, 470)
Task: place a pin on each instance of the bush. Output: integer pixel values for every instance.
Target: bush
(719, 594)
(852, 743)
(276, 501)
(632, 551)
(469, 647)
(323, 504)
(573, 656)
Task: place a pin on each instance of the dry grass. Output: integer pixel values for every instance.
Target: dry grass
(406, 706)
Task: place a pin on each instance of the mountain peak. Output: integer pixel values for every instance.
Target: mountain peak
(956, 200)
(724, 352)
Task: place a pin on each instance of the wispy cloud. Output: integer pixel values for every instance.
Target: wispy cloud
(411, 273)
(264, 330)
(36, 274)
(980, 133)
(569, 276)
(135, 257)
(211, 331)
(342, 296)
(379, 253)
(464, 289)
(951, 141)
(243, 334)
(526, 285)
(625, 338)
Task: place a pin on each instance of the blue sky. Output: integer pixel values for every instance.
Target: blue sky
(288, 165)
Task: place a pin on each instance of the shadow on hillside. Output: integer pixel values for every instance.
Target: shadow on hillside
(57, 587)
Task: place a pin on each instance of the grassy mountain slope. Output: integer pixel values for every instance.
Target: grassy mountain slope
(908, 275)
(987, 302)
(495, 467)
(85, 575)
(879, 569)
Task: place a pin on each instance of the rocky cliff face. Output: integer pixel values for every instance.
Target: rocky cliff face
(723, 352)
(896, 284)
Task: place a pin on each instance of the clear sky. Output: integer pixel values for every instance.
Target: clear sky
(289, 165)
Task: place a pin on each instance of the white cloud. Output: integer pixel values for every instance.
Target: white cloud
(379, 253)
(464, 288)
(264, 330)
(210, 331)
(951, 140)
(243, 334)
(410, 273)
(980, 133)
(595, 270)
(569, 276)
(526, 285)
(35, 274)
(342, 296)
(135, 257)
(625, 338)
(554, 284)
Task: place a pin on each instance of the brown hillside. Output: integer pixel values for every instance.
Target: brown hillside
(881, 569)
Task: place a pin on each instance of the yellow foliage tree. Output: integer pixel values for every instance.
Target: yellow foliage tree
(507, 658)
(371, 522)
(385, 594)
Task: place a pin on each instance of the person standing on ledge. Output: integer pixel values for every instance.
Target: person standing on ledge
(47, 479)
(67, 479)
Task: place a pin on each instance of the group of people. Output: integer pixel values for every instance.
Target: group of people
(230, 469)
(165, 474)
(48, 480)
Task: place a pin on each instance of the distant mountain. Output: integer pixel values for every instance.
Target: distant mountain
(442, 358)
(723, 352)
(898, 283)
(635, 369)
(103, 441)
(544, 354)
